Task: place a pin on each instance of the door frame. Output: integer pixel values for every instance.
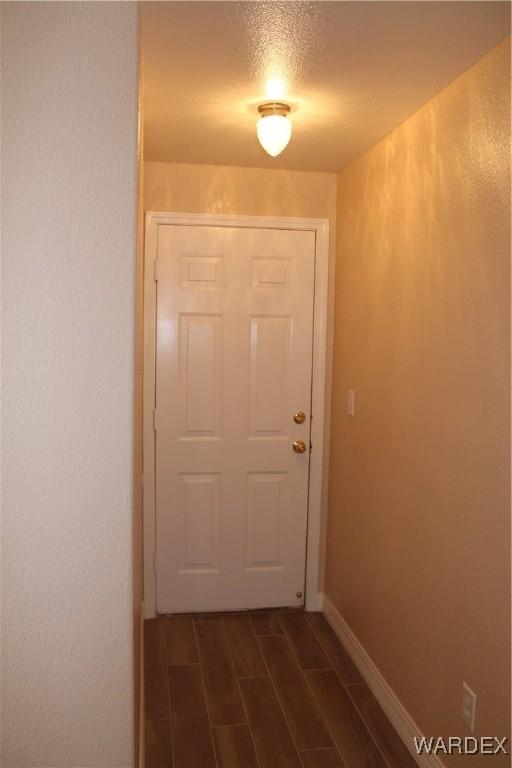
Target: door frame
(319, 428)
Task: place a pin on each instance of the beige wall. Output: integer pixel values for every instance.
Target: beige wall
(138, 538)
(242, 191)
(249, 192)
(68, 210)
(419, 530)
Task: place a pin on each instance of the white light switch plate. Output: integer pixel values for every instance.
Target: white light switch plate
(468, 706)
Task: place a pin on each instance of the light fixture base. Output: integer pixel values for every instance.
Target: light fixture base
(274, 108)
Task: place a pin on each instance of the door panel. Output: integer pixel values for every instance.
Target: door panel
(270, 366)
(200, 370)
(234, 324)
(201, 522)
(264, 507)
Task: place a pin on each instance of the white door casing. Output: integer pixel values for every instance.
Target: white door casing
(229, 338)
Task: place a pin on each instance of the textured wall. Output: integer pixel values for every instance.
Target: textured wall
(418, 558)
(69, 131)
(138, 534)
(243, 191)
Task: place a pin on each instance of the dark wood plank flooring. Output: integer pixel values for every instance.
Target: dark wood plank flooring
(263, 689)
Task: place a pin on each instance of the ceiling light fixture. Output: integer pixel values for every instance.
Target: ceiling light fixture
(274, 129)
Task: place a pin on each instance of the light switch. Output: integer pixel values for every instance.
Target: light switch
(468, 706)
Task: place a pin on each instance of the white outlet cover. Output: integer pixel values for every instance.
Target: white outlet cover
(468, 706)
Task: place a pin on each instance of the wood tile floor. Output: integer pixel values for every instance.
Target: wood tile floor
(269, 689)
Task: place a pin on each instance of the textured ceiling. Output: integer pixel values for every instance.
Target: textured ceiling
(352, 71)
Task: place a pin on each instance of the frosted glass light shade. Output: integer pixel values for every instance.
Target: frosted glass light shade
(274, 133)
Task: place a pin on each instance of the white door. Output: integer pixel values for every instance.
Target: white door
(234, 322)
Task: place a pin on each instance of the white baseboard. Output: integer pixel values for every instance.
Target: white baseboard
(314, 602)
(392, 706)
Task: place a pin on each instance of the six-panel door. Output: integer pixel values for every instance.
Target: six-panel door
(234, 323)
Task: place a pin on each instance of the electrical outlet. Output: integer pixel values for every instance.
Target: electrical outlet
(351, 402)
(468, 706)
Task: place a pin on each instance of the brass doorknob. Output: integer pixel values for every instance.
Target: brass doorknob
(299, 446)
(299, 417)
